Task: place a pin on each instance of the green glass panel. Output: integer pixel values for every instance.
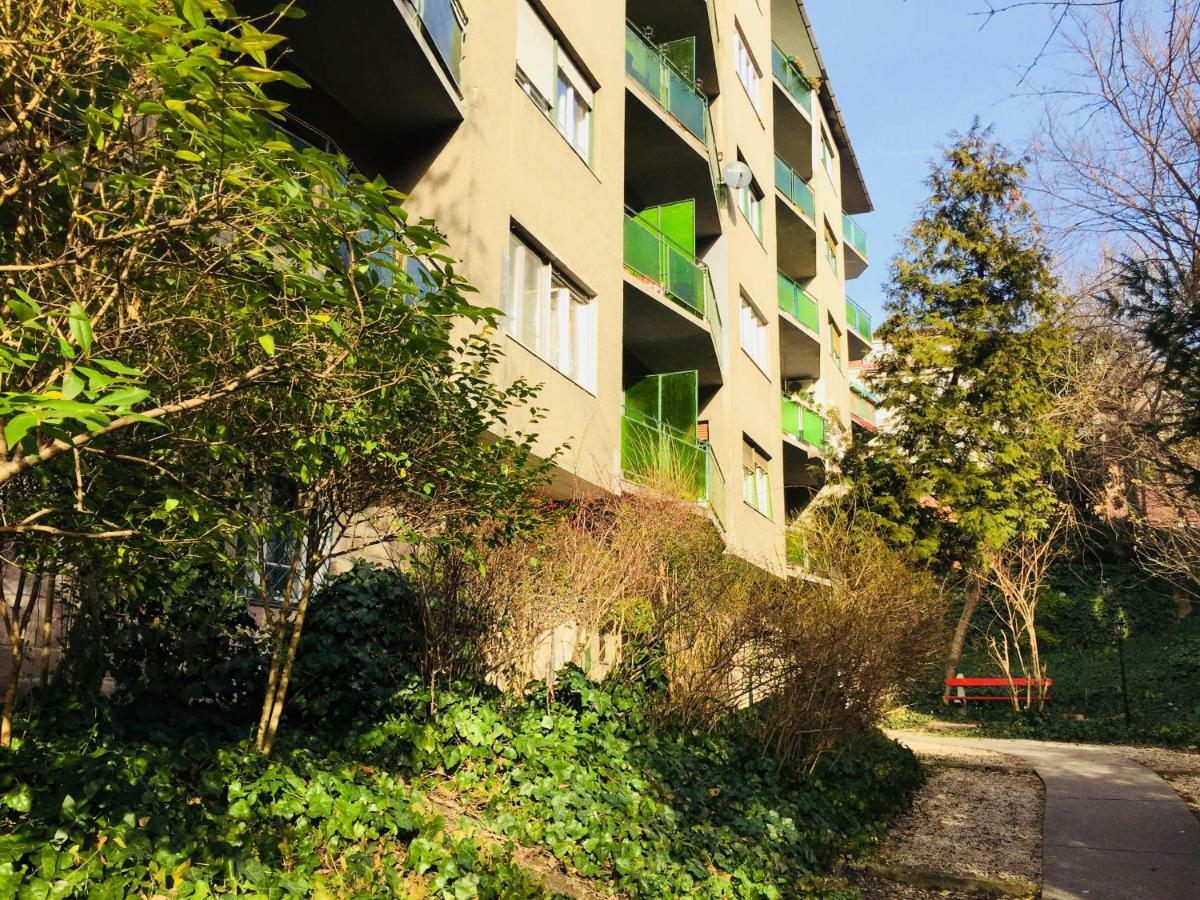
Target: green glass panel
(814, 429)
(791, 416)
(685, 280)
(685, 104)
(678, 222)
(681, 54)
(643, 250)
(680, 402)
(445, 32)
(643, 63)
(642, 397)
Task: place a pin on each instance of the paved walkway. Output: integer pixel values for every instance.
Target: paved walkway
(1113, 830)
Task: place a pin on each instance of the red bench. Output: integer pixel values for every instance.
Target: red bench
(1019, 684)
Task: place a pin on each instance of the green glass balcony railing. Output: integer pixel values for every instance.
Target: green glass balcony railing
(859, 320)
(795, 188)
(714, 487)
(862, 408)
(652, 255)
(653, 449)
(675, 93)
(792, 79)
(444, 24)
(804, 424)
(797, 303)
(855, 236)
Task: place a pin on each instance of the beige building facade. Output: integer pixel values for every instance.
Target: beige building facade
(659, 195)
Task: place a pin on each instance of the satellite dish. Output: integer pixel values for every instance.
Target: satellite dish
(737, 175)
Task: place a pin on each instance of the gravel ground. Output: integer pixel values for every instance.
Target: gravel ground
(979, 815)
(974, 822)
(874, 888)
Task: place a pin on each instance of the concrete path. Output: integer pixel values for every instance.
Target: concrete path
(1113, 830)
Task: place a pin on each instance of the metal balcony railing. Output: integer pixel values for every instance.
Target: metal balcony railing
(795, 188)
(674, 92)
(855, 236)
(714, 486)
(684, 279)
(859, 320)
(862, 408)
(792, 79)
(803, 423)
(797, 303)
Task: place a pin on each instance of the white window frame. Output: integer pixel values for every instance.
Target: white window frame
(756, 479)
(558, 86)
(754, 335)
(748, 70)
(560, 328)
(750, 202)
(573, 112)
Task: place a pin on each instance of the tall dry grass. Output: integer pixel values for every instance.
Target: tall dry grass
(642, 583)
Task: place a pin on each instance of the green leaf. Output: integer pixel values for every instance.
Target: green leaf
(268, 343)
(72, 386)
(124, 397)
(193, 12)
(19, 426)
(81, 327)
(189, 156)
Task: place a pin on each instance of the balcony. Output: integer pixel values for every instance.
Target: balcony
(798, 304)
(863, 407)
(401, 76)
(682, 19)
(799, 332)
(796, 215)
(804, 426)
(860, 333)
(670, 152)
(660, 440)
(672, 319)
(789, 77)
(856, 247)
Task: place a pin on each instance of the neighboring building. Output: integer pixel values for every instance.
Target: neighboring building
(575, 155)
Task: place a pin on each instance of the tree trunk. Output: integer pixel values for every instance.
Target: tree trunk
(974, 592)
(285, 676)
(47, 630)
(10, 691)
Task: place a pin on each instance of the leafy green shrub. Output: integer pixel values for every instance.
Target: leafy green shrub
(657, 813)
(103, 820)
(1075, 611)
(360, 645)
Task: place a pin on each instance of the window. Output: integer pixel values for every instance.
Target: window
(835, 343)
(754, 334)
(547, 315)
(573, 108)
(827, 157)
(553, 80)
(750, 201)
(747, 69)
(831, 249)
(756, 483)
(422, 278)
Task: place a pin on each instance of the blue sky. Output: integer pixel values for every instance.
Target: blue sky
(906, 74)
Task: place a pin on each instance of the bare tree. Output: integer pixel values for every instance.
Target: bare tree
(1017, 574)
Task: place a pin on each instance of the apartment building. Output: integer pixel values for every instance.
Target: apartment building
(659, 194)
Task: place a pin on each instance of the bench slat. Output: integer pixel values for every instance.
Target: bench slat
(973, 699)
(997, 682)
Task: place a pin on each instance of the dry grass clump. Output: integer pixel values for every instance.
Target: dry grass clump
(830, 651)
(628, 585)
